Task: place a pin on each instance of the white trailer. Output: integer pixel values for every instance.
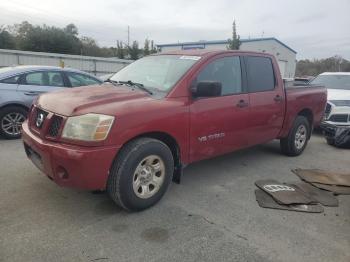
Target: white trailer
(95, 65)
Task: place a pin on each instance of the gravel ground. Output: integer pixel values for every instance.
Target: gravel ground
(211, 216)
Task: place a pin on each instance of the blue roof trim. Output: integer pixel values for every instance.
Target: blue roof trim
(213, 42)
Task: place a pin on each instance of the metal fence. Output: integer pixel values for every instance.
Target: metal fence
(94, 65)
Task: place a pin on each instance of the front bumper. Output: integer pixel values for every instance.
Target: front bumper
(67, 165)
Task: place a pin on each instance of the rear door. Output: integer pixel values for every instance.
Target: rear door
(218, 123)
(33, 84)
(266, 100)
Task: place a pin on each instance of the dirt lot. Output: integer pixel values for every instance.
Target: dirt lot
(211, 216)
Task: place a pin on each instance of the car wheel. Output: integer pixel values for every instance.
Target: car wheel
(297, 139)
(11, 119)
(141, 173)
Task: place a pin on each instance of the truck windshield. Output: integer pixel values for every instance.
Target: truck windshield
(333, 81)
(159, 72)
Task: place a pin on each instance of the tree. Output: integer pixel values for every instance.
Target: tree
(153, 48)
(234, 43)
(46, 38)
(134, 51)
(7, 41)
(146, 50)
(71, 29)
(120, 50)
(317, 66)
(89, 47)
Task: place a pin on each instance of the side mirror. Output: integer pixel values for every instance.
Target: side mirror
(206, 89)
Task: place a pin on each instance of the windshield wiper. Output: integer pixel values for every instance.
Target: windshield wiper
(111, 81)
(138, 85)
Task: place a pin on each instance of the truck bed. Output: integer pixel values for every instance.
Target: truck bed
(314, 97)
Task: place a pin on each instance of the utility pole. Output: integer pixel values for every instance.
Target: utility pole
(128, 36)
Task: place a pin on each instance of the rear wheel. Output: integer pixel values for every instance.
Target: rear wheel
(141, 174)
(11, 119)
(297, 139)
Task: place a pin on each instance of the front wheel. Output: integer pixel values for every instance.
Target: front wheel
(11, 119)
(297, 139)
(141, 174)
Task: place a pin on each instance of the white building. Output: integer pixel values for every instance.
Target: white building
(285, 55)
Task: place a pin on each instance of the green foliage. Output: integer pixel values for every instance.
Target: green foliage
(134, 51)
(28, 37)
(146, 50)
(120, 50)
(7, 41)
(317, 66)
(235, 42)
(153, 48)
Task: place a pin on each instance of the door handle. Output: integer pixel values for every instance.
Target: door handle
(242, 103)
(31, 93)
(278, 98)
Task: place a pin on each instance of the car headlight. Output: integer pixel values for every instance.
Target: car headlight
(89, 127)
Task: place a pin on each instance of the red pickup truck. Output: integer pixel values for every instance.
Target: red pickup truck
(136, 133)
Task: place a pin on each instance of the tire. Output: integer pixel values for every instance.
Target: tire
(127, 185)
(7, 114)
(290, 145)
(330, 141)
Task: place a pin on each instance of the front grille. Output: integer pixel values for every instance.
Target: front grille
(343, 118)
(50, 126)
(55, 126)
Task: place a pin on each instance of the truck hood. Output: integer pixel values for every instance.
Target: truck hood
(70, 102)
(338, 94)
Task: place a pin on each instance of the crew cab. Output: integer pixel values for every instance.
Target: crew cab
(133, 135)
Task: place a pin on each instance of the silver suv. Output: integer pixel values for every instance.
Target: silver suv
(20, 85)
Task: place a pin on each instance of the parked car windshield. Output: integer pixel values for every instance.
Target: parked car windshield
(333, 81)
(160, 72)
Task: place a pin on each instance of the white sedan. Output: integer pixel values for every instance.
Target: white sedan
(338, 106)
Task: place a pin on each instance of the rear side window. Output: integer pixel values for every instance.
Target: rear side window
(11, 80)
(260, 74)
(81, 80)
(55, 79)
(227, 71)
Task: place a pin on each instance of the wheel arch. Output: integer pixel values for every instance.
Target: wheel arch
(173, 145)
(308, 114)
(14, 104)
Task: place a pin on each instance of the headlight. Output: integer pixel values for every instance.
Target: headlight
(89, 127)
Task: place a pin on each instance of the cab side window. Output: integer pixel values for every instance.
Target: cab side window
(260, 74)
(227, 71)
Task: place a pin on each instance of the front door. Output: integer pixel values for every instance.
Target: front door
(218, 123)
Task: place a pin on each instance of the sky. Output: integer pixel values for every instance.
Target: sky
(314, 28)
